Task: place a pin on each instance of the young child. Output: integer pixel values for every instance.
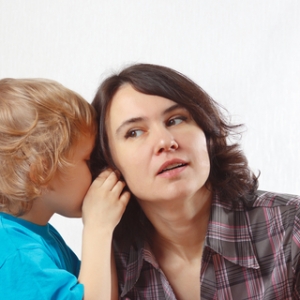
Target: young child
(47, 134)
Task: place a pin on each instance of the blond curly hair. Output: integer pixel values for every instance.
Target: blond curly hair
(40, 123)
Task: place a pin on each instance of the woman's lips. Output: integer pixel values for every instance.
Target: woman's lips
(171, 165)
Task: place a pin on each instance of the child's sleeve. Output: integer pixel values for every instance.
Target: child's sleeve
(34, 275)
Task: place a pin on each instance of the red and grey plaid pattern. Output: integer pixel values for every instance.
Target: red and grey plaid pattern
(250, 252)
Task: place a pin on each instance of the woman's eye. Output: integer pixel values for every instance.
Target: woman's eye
(133, 133)
(176, 120)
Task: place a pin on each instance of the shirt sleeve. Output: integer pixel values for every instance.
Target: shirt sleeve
(34, 275)
(296, 255)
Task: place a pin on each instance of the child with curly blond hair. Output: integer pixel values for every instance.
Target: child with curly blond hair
(47, 134)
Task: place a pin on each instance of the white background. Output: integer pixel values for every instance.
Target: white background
(245, 54)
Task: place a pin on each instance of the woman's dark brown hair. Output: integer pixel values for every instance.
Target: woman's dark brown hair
(229, 175)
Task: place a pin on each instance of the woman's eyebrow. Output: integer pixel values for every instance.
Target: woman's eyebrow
(139, 119)
(127, 122)
(171, 108)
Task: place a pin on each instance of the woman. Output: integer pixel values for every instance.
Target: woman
(196, 227)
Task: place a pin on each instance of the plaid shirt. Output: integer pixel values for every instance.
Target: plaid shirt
(250, 253)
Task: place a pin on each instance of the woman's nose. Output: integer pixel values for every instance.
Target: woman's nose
(165, 142)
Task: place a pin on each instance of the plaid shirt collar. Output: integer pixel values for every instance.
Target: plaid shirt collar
(224, 221)
(221, 231)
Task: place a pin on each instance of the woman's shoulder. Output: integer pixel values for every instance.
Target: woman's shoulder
(272, 199)
(260, 210)
(260, 198)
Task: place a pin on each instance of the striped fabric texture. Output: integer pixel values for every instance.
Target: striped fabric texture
(250, 252)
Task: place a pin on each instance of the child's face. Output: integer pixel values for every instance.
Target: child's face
(66, 191)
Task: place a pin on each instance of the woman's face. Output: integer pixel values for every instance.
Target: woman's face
(157, 146)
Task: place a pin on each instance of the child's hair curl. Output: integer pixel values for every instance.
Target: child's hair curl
(40, 123)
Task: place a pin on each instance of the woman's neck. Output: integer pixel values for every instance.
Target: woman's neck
(181, 226)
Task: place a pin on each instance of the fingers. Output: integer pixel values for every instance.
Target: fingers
(107, 178)
(125, 197)
(105, 201)
(104, 175)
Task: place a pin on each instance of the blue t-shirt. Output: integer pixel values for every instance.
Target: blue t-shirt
(35, 262)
